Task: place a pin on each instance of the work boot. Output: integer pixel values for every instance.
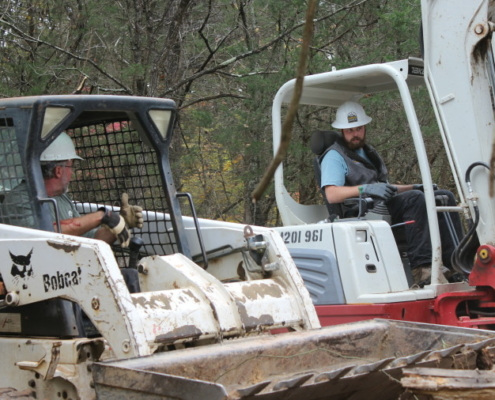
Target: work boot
(447, 273)
(457, 277)
(443, 274)
(422, 276)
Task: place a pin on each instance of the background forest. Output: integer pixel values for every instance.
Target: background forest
(222, 62)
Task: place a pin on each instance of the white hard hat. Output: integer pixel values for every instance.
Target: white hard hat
(350, 115)
(60, 149)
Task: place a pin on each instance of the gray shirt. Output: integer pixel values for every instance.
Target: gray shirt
(67, 210)
(16, 209)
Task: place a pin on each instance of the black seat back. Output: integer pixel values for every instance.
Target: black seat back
(322, 140)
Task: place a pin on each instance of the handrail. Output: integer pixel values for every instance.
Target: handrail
(196, 224)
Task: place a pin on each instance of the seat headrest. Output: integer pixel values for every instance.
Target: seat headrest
(322, 140)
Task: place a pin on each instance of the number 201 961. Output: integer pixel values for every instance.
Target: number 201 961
(315, 235)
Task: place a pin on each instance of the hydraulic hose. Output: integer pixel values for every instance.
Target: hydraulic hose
(462, 257)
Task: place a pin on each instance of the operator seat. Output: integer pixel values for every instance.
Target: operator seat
(319, 143)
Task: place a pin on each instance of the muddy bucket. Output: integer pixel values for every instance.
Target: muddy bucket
(350, 361)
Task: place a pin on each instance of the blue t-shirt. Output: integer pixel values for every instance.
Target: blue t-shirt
(334, 168)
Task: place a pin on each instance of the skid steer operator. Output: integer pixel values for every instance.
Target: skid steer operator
(351, 167)
(56, 166)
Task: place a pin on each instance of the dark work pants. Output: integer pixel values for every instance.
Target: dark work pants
(411, 205)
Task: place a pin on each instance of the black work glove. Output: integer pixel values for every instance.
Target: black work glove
(383, 191)
(116, 224)
(419, 186)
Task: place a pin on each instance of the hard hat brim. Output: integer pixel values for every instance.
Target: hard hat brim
(365, 121)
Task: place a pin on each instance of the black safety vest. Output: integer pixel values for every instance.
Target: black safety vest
(359, 170)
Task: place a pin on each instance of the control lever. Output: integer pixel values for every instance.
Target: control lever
(130, 274)
(134, 247)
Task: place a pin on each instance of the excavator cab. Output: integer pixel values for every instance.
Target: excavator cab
(345, 260)
(369, 208)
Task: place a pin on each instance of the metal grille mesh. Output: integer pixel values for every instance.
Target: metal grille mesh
(16, 208)
(117, 161)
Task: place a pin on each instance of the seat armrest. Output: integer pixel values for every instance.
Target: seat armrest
(367, 203)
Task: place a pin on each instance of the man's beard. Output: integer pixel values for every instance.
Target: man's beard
(355, 143)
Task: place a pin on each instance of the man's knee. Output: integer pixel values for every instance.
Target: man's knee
(414, 197)
(404, 203)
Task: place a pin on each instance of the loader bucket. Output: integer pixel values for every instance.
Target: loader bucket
(350, 361)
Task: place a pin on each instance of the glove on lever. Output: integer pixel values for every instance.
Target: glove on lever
(116, 224)
(381, 190)
(133, 215)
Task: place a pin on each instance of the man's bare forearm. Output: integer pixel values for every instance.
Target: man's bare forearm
(403, 188)
(337, 194)
(80, 225)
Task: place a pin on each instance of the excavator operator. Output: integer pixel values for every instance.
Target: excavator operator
(353, 168)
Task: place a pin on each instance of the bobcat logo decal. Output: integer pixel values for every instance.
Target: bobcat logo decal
(21, 267)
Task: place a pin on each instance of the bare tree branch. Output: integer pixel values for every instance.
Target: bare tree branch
(218, 96)
(203, 26)
(29, 38)
(228, 208)
(250, 53)
(224, 64)
(246, 75)
(243, 17)
(293, 106)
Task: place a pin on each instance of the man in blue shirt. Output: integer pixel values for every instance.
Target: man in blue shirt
(351, 167)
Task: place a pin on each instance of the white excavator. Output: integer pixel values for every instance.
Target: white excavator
(353, 267)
